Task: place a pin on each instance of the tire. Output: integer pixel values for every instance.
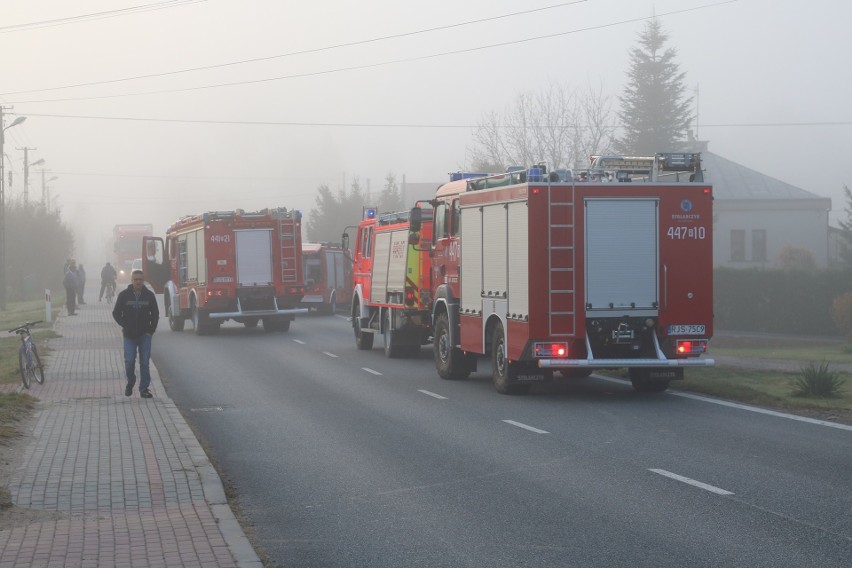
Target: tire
(22, 367)
(37, 369)
(251, 323)
(392, 349)
(327, 309)
(502, 370)
(176, 322)
(200, 323)
(451, 363)
(641, 383)
(283, 325)
(363, 341)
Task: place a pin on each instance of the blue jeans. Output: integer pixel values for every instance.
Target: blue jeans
(143, 346)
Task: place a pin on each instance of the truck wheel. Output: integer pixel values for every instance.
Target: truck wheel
(176, 322)
(199, 322)
(450, 362)
(502, 370)
(363, 341)
(392, 350)
(251, 323)
(327, 309)
(641, 383)
(283, 325)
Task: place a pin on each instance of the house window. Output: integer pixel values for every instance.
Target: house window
(738, 245)
(758, 245)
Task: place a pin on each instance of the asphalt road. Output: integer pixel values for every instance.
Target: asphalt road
(342, 457)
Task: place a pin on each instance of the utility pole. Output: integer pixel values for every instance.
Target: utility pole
(26, 172)
(3, 128)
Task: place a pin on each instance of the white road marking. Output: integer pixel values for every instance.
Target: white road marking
(439, 397)
(300, 342)
(525, 427)
(329, 354)
(692, 482)
(746, 407)
(764, 411)
(370, 370)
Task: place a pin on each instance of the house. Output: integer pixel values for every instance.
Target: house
(755, 216)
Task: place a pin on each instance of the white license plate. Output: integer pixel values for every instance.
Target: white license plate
(686, 329)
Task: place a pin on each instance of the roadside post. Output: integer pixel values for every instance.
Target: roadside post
(47, 310)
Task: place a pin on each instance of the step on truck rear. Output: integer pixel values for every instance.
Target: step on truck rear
(221, 265)
(606, 268)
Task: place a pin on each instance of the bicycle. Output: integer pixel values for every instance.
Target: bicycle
(110, 292)
(29, 362)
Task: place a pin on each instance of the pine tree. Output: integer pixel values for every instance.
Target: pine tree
(654, 112)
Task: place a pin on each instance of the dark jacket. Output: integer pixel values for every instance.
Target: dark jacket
(108, 273)
(136, 316)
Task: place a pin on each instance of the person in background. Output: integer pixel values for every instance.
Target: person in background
(69, 282)
(81, 284)
(108, 276)
(137, 313)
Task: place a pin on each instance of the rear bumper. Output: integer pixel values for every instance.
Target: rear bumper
(274, 311)
(619, 363)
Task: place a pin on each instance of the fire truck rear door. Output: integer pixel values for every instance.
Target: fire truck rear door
(622, 255)
(254, 257)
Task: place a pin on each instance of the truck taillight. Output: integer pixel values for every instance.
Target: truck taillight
(410, 296)
(559, 350)
(212, 293)
(691, 346)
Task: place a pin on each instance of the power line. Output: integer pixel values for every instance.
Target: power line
(383, 63)
(400, 125)
(97, 15)
(301, 52)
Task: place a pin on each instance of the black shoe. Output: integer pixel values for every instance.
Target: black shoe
(146, 394)
(128, 390)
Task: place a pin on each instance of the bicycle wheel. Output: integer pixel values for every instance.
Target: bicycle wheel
(36, 367)
(22, 366)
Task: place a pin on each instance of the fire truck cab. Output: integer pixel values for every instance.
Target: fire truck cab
(225, 265)
(606, 268)
(390, 284)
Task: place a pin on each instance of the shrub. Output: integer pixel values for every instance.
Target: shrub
(817, 381)
(791, 257)
(841, 313)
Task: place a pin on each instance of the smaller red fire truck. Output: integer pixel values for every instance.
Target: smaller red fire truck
(225, 265)
(328, 283)
(126, 243)
(390, 283)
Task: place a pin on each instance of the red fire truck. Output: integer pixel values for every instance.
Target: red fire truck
(574, 271)
(229, 265)
(327, 279)
(126, 244)
(391, 292)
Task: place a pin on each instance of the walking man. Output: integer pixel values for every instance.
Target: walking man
(81, 284)
(137, 313)
(69, 282)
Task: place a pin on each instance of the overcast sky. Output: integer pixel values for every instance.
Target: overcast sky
(772, 77)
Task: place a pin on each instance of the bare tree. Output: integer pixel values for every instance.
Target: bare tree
(561, 125)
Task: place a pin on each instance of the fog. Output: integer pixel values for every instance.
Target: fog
(287, 102)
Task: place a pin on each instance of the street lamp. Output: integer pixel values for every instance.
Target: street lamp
(17, 121)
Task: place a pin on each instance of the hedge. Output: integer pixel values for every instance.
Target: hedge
(778, 301)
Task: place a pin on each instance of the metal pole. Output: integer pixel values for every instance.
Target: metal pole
(2, 217)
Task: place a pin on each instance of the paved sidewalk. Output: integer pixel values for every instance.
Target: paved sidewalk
(132, 484)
